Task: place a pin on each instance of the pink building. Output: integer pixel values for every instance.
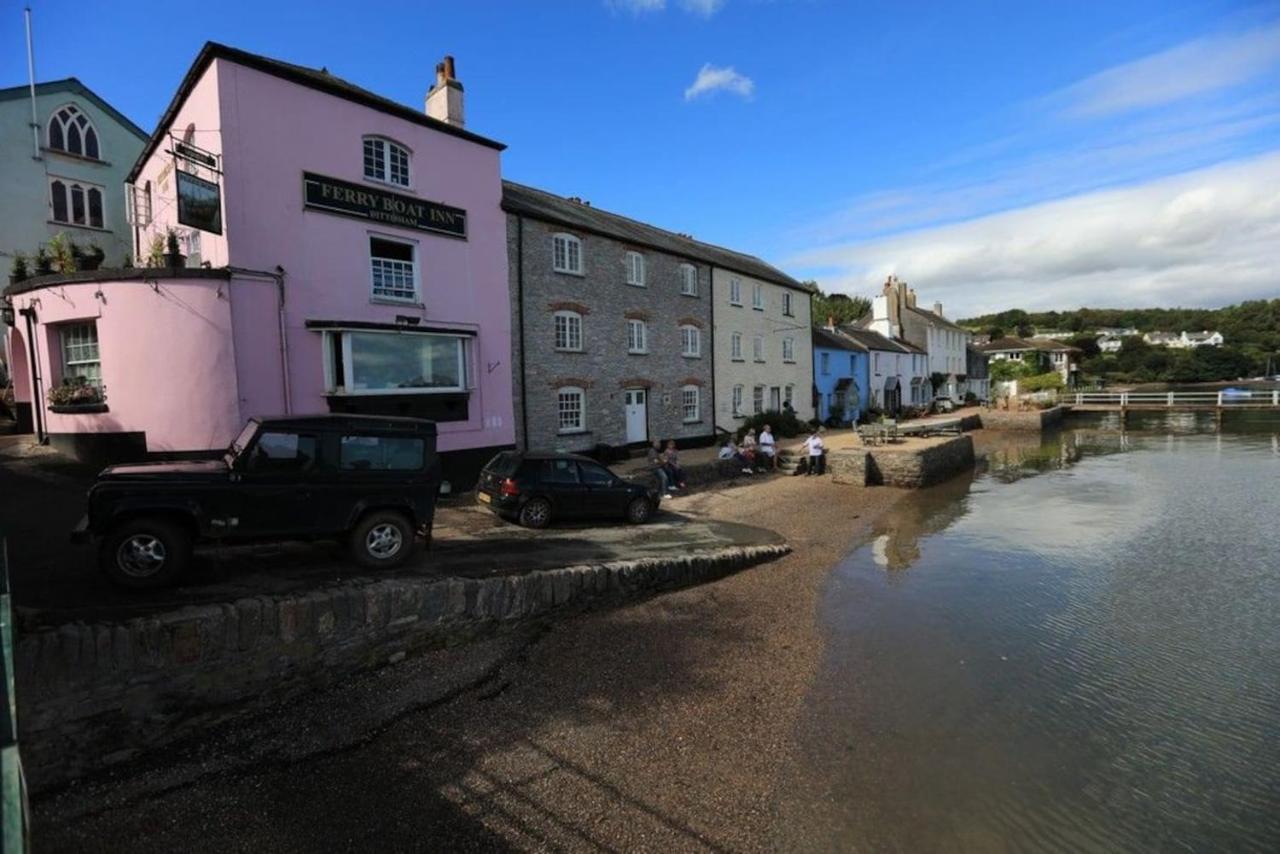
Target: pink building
(342, 253)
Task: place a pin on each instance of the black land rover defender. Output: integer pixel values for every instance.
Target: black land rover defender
(370, 479)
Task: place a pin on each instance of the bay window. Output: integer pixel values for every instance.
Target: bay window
(382, 363)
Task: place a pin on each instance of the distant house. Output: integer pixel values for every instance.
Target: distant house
(1109, 343)
(841, 378)
(895, 314)
(1039, 353)
(1162, 339)
(1116, 331)
(978, 374)
(898, 374)
(1191, 340)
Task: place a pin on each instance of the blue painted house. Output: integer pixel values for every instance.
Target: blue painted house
(840, 375)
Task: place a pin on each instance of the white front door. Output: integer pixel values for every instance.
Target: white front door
(637, 415)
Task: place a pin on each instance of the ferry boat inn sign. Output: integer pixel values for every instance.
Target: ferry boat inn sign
(322, 193)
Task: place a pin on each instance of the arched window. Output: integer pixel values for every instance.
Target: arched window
(59, 197)
(690, 404)
(737, 400)
(386, 161)
(637, 336)
(566, 252)
(635, 269)
(71, 131)
(76, 203)
(688, 280)
(568, 330)
(690, 340)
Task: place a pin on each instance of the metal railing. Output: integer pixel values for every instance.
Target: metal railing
(1173, 399)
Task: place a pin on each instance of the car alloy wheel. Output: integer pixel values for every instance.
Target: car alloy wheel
(141, 555)
(639, 510)
(383, 541)
(536, 513)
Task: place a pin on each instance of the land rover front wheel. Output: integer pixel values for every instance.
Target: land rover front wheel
(382, 540)
(145, 553)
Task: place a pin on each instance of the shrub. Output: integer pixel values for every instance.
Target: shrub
(74, 390)
(970, 397)
(784, 424)
(19, 272)
(1041, 382)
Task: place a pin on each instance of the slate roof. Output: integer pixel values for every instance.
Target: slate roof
(541, 205)
(823, 337)
(313, 78)
(1011, 344)
(933, 317)
(74, 86)
(876, 341)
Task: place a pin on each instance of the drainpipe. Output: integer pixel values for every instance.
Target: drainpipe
(524, 394)
(711, 342)
(37, 383)
(278, 278)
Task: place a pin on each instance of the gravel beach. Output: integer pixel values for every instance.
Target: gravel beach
(665, 725)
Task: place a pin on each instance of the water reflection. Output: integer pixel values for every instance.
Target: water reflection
(1084, 654)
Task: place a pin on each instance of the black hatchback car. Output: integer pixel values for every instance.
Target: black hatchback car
(371, 480)
(533, 489)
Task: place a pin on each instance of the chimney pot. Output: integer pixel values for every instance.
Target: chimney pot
(444, 98)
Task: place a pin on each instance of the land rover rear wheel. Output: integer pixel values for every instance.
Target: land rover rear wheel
(145, 553)
(382, 540)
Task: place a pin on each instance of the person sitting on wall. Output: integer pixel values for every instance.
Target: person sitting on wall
(729, 451)
(672, 459)
(750, 449)
(768, 449)
(658, 463)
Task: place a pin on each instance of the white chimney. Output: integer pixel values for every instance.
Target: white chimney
(444, 98)
(881, 319)
(937, 309)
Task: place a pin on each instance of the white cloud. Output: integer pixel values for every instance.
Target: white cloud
(637, 7)
(711, 79)
(705, 8)
(1203, 238)
(1186, 70)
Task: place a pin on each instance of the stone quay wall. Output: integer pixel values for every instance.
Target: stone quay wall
(1032, 419)
(911, 469)
(92, 695)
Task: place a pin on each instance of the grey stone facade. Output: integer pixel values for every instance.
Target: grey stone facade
(604, 369)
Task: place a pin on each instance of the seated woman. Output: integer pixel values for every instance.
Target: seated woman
(672, 459)
(729, 451)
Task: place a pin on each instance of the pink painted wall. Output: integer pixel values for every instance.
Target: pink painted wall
(167, 360)
(272, 130)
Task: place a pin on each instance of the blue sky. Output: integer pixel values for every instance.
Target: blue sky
(1041, 154)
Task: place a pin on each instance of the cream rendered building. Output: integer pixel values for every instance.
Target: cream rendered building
(763, 346)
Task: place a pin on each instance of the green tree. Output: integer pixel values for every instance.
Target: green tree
(840, 308)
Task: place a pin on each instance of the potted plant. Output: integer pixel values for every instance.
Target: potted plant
(91, 258)
(173, 256)
(62, 253)
(44, 264)
(155, 251)
(76, 394)
(19, 272)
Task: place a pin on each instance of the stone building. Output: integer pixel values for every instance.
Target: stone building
(613, 324)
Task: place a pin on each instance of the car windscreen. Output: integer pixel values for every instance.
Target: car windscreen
(503, 464)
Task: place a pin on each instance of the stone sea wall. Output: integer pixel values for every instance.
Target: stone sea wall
(1033, 419)
(91, 695)
(912, 469)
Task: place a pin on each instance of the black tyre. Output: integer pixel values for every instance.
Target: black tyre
(382, 540)
(145, 553)
(639, 511)
(536, 513)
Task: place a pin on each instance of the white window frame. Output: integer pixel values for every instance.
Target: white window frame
(735, 347)
(89, 125)
(71, 365)
(757, 296)
(387, 147)
(757, 348)
(331, 387)
(757, 399)
(735, 291)
(635, 269)
(690, 341)
(688, 280)
(787, 307)
(788, 349)
(736, 400)
(572, 331)
(691, 401)
(789, 395)
(562, 260)
(570, 391)
(415, 299)
(86, 187)
(637, 336)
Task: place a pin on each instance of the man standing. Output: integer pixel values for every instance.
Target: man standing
(767, 447)
(817, 451)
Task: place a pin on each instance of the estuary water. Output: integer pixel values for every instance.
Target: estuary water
(1078, 649)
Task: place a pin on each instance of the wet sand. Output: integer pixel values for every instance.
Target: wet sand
(669, 724)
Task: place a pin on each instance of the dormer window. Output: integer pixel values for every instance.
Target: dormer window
(386, 161)
(71, 131)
